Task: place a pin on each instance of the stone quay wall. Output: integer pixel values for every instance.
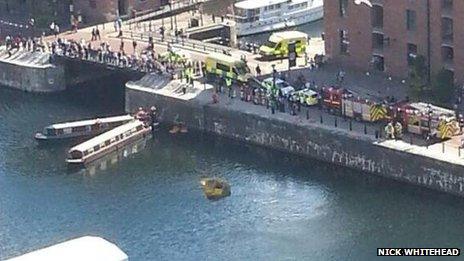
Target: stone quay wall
(31, 78)
(310, 140)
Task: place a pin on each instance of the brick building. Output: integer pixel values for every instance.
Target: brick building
(106, 10)
(389, 35)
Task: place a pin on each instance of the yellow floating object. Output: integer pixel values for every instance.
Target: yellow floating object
(215, 188)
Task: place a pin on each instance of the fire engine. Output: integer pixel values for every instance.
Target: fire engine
(342, 101)
(426, 119)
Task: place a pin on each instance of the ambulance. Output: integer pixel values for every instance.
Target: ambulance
(277, 45)
(225, 66)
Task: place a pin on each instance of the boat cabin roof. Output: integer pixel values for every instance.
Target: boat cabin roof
(83, 248)
(290, 35)
(90, 122)
(254, 4)
(106, 136)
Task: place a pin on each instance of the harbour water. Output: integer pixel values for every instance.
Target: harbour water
(151, 204)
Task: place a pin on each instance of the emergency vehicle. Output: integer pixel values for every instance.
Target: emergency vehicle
(281, 86)
(277, 45)
(225, 66)
(426, 119)
(342, 101)
(306, 97)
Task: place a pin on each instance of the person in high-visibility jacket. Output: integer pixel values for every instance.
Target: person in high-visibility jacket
(229, 85)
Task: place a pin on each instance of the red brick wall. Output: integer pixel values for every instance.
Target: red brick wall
(106, 10)
(358, 24)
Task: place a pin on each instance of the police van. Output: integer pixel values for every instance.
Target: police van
(225, 66)
(277, 45)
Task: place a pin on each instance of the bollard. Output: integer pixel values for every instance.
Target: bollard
(365, 128)
(351, 128)
(443, 147)
(321, 120)
(336, 123)
(307, 114)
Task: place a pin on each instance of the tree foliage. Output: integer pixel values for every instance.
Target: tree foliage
(443, 88)
(418, 77)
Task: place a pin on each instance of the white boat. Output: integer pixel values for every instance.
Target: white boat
(107, 142)
(81, 128)
(257, 16)
(86, 248)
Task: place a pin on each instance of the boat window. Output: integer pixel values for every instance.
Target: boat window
(59, 131)
(75, 154)
(127, 133)
(104, 125)
(96, 148)
(51, 132)
(139, 127)
(79, 129)
(121, 136)
(222, 67)
(117, 138)
(107, 143)
(86, 153)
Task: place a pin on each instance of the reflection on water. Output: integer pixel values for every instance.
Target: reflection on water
(150, 203)
(112, 159)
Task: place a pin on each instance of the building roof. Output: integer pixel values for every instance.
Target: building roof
(83, 248)
(254, 4)
(106, 136)
(91, 122)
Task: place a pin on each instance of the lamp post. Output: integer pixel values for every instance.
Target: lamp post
(170, 11)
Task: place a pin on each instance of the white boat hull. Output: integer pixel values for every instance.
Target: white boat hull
(278, 23)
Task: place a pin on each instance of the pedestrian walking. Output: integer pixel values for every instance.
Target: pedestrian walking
(258, 70)
(134, 45)
(97, 33)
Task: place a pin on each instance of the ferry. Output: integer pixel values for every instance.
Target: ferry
(257, 16)
(81, 128)
(107, 142)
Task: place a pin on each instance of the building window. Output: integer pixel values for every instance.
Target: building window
(412, 53)
(344, 43)
(377, 41)
(377, 16)
(447, 29)
(447, 4)
(411, 20)
(343, 6)
(378, 63)
(447, 53)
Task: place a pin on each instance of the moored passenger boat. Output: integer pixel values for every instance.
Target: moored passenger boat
(107, 142)
(257, 16)
(81, 128)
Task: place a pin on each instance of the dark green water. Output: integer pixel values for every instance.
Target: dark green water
(150, 204)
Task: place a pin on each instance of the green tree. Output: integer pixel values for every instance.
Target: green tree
(443, 88)
(417, 77)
